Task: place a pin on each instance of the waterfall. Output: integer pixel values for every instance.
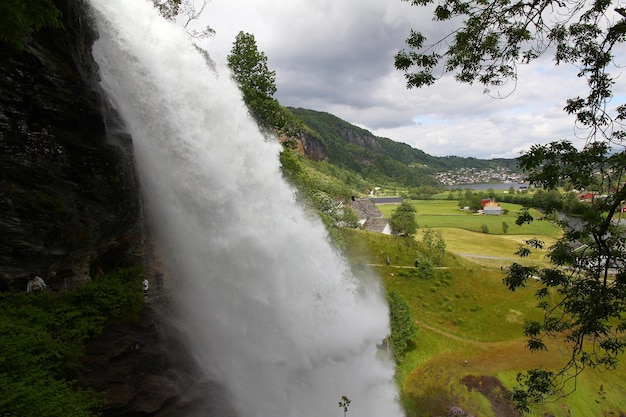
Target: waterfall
(272, 309)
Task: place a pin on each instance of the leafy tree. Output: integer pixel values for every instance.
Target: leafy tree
(583, 293)
(258, 85)
(171, 9)
(249, 66)
(345, 404)
(349, 218)
(505, 227)
(436, 245)
(402, 221)
(19, 18)
(424, 192)
(403, 329)
(472, 200)
(424, 267)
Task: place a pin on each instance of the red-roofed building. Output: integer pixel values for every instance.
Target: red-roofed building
(492, 208)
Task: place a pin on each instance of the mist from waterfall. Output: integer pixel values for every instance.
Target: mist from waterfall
(272, 309)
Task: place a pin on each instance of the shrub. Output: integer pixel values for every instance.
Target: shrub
(42, 340)
(20, 18)
(403, 330)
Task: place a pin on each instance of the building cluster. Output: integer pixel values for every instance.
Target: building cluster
(463, 176)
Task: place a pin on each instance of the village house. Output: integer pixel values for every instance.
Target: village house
(370, 218)
(587, 197)
(492, 208)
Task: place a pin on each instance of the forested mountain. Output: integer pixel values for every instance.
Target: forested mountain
(381, 159)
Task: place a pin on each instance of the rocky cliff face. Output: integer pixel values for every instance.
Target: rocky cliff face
(307, 145)
(68, 192)
(362, 139)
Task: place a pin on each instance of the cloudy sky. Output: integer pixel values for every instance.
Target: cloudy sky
(337, 56)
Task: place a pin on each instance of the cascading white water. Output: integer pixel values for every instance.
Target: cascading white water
(272, 310)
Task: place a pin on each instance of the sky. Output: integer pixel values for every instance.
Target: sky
(337, 56)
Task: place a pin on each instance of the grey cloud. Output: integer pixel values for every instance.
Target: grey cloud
(337, 56)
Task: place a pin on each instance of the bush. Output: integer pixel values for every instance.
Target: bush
(42, 340)
(19, 18)
(403, 330)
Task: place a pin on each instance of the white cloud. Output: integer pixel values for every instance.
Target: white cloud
(337, 56)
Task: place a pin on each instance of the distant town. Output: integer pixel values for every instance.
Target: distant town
(464, 176)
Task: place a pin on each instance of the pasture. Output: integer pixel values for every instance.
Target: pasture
(446, 213)
(470, 336)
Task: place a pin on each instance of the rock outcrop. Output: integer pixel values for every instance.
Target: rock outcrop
(308, 145)
(145, 370)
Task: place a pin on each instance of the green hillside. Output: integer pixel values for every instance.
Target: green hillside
(381, 160)
(469, 344)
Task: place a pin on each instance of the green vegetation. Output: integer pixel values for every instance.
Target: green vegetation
(169, 9)
(258, 85)
(318, 191)
(356, 149)
(42, 338)
(344, 404)
(381, 160)
(403, 330)
(402, 221)
(19, 18)
(582, 293)
(469, 325)
(435, 245)
(249, 66)
(446, 213)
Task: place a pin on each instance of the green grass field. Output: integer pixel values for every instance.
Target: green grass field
(446, 213)
(470, 324)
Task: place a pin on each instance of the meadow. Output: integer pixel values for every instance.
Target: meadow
(446, 213)
(470, 346)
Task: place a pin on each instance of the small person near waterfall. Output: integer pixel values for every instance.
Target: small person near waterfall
(35, 283)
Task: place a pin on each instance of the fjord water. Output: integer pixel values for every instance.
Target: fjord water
(271, 310)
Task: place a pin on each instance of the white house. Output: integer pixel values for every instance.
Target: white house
(492, 208)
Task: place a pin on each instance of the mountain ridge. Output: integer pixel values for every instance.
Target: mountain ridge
(354, 148)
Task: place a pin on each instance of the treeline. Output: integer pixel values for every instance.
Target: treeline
(549, 201)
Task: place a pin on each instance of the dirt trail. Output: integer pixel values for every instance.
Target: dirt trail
(453, 336)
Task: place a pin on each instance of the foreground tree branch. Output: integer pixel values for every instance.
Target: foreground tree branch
(583, 293)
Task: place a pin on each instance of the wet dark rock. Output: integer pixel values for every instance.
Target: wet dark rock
(144, 369)
(68, 190)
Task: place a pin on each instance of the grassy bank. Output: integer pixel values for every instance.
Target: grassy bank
(470, 326)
